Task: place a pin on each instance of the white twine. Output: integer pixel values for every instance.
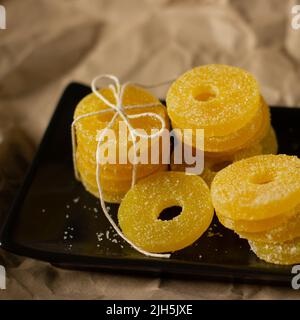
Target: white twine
(117, 107)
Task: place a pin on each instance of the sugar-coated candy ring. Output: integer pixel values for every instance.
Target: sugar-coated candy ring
(246, 136)
(110, 185)
(87, 136)
(133, 95)
(287, 231)
(88, 128)
(140, 209)
(267, 145)
(217, 98)
(279, 253)
(257, 188)
(253, 132)
(115, 172)
(255, 226)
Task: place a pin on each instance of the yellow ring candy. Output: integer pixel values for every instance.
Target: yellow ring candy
(116, 172)
(89, 143)
(115, 178)
(287, 231)
(217, 98)
(279, 253)
(110, 185)
(257, 188)
(255, 226)
(267, 145)
(250, 134)
(133, 95)
(140, 209)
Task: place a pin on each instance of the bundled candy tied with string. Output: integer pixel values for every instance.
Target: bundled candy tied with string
(105, 110)
(108, 109)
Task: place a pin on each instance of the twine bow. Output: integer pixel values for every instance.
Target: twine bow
(119, 110)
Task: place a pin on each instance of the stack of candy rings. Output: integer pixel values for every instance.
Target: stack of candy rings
(254, 192)
(259, 198)
(226, 102)
(115, 178)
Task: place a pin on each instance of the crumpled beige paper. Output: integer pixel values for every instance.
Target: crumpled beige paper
(47, 44)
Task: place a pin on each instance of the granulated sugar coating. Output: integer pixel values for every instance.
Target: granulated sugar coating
(255, 226)
(282, 233)
(257, 188)
(116, 176)
(213, 164)
(133, 95)
(116, 172)
(218, 98)
(140, 209)
(109, 185)
(251, 133)
(278, 253)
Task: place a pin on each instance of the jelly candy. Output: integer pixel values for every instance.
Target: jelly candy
(252, 133)
(257, 188)
(116, 178)
(140, 209)
(217, 98)
(255, 226)
(279, 253)
(286, 231)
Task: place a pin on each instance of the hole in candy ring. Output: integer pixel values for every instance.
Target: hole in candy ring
(205, 92)
(262, 178)
(170, 213)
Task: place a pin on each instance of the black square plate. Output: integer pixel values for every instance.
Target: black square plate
(54, 219)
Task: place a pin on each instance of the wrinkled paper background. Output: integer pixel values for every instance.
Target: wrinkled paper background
(47, 44)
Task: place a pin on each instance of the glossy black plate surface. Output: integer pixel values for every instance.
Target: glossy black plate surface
(54, 219)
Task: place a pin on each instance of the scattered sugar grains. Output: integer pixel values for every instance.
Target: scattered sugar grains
(259, 187)
(211, 233)
(75, 200)
(169, 189)
(214, 234)
(109, 235)
(68, 238)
